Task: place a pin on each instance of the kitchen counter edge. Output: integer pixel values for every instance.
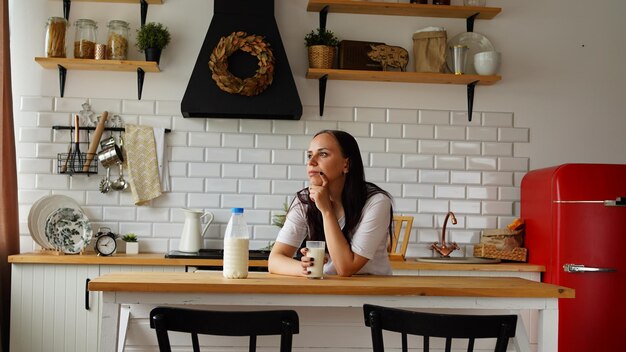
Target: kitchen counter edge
(159, 259)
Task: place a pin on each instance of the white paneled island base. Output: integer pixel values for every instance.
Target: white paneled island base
(330, 300)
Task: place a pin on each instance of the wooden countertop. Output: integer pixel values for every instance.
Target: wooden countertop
(159, 259)
(264, 283)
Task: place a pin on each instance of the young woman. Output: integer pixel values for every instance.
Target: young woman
(353, 216)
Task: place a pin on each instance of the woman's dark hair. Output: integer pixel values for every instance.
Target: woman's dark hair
(356, 191)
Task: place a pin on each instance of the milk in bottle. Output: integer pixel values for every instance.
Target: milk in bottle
(236, 246)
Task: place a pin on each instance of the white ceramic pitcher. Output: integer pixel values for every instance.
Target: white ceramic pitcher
(193, 233)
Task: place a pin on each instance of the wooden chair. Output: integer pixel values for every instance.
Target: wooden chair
(448, 326)
(400, 240)
(206, 322)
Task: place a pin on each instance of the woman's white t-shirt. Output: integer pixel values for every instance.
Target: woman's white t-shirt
(369, 237)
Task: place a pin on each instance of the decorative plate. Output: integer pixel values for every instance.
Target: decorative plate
(41, 210)
(69, 230)
(476, 43)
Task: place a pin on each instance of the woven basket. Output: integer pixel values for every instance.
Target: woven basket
(490, 251)
(321, 56)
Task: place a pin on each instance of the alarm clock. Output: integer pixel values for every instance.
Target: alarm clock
(105, 242)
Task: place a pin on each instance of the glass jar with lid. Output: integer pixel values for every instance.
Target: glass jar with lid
(85, 39)
(117, 40)
(56, 30)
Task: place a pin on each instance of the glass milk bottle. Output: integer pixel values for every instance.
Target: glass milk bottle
(236, 245)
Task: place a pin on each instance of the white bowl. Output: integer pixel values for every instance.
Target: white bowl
(487, 62)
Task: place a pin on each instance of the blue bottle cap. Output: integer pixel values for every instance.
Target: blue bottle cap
(237, 210)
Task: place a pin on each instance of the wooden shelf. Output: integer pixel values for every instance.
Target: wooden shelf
(63, 64)
(98, 65)
(402, 9)
(406, 77)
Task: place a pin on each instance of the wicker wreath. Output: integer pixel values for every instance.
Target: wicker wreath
(252, 44)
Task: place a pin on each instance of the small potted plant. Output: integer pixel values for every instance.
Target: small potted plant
(322, 45)
(152, 38)
(132, 246)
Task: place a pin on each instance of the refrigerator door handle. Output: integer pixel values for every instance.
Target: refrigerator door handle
(579, 268)
(618, 202)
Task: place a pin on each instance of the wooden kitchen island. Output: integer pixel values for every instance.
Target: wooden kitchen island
(266, 291)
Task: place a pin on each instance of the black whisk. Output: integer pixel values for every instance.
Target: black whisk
(75, 157)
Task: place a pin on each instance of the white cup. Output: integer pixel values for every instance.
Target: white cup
(317, 251)
(487, 63)
(475, 2)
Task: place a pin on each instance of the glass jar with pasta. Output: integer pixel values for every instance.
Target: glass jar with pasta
(117, 40)
(85, 39)
(55, 37)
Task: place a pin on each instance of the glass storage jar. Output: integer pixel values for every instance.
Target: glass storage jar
(56, 29)
(117, 40)
(85, 40)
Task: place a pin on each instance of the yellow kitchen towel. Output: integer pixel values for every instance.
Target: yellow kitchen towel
(141, 160)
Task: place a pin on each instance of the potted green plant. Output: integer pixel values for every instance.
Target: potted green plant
(152, 38)
(322, 45)
(132, 246)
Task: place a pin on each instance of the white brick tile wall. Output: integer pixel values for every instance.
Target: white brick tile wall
(180, 123)
(223, 125)
(386, 130)
(434, 176)
(255, 126)
(254, 156)
(455, 192)
(465, 148)
(370, 115)
(271, 171)
(431, 161)
(418, 131)
(204, 139)
(482, 133)
(254, 186)
(219, 154)
(238, 171)
(498, 119)
(401, 145)
(288, 157)
(138, 107)
(418, 161)
(269, 141)
(433, 147)
(385, 160)
(171, 107)
(499, 149)
(289, 127)
(237, 140)
(449, 162)
(357, 129)
(450, 132)
(513, 134)
(313, 127)
(402, 116)
(401, 175)
(36, 103)
(434, 117)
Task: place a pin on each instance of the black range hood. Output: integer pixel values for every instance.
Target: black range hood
(203, 98)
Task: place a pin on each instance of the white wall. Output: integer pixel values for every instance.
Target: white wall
(560, 100)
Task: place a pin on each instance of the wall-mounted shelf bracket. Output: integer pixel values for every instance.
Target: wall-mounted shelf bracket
(470, 99)
(322, 92)
(67, 4)
(144, 11)
(140, 76)
(62, 77)
(470, 22)
(323, 17)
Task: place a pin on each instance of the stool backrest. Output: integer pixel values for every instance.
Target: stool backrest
(223, 323)
(448, 326)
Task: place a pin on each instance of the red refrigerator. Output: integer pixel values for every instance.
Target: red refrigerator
(575, 218)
